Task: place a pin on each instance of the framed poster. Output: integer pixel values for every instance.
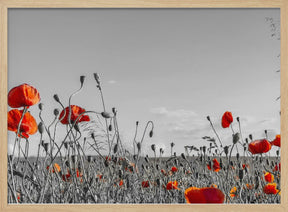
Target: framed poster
(123, 106)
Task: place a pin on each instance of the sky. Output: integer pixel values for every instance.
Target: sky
(172, 66)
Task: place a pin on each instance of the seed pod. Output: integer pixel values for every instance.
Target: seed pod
(110, 127)
(40, 106)
(196, 175)
(106, 115)
(204, 149)
(251, 137)
(137, 123)
(115, 148)
(89, 158)
(151, 134)
(97, 78)
(208, 118)
(236, 138)
(139, 146)
(183, 156)
(277, 152)
(153, 147)
(237, 156)
(56, 98)
(106, 163)
(172, 144)
(226, 150)
(82, 78)
(41, 128)
(238, 119)
(56, 111)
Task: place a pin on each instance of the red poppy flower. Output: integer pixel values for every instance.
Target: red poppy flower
(163, 171)
(121, 183)
(145, 184)
(277, 167)
(23, 96)
(174, 169)
(276, 141)
(216, 165)
(172, 185)
(270, 188)
(269, 177)
(227, 119)
(66, 177)
(28, 124)
(75, 112)
(233, 192)
(259, 146)
(204, 195)
(208, 167)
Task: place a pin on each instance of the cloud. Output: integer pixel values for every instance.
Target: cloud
(180, 113)
(111, 81)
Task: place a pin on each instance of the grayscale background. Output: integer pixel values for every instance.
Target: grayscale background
(172, 66)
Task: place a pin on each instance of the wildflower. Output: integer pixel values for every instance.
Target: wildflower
(28, 124)
(121, 183)
(227, 119)
(75, 112)
(277, 167)
(66, 177)
(23, 96)
(269, 177)
(174, 169)
(259, 146)
(216, 165)
(56, 168)
(208, 167)
(172, 185)
(276, 141)
(270, 188)
(233, 192)
(204, 195)
(145, 184)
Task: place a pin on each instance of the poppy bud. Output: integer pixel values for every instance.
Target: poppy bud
(67, 163)
(245, 148)
(92, 136)
(56, 112)
(176, 161)
(56, 98)
(181, 164)
(174, 154)
(172, 144)
(277, 152)
(114, 111)
(183, 156)
(153, 147)
(151, 134)
(208, 118)
(89, 158)
(158, 181)
(235, 138)
(115, 148)
(251, 137)
(106, 163)
(73, 157)
(196, 175)
(134, 157)
(66, 145)
(161, 150)
(106, 115)
(267, 162)
(157, 166)
(82, 78)
(76, 127)
(120, 173)
(45, 145)
(139, 146)
(41, 127)
(204, 149)
(226, 150)
(237, 156)
(246, 139)
(238, 119)
(110, 127)
(143, 167)
(231, 163)
(221, 163)
(216, 151)
(146, 159)
(265, 131)
(96, 77)
(40, 106)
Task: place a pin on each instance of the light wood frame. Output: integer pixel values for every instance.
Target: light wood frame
(282, 4)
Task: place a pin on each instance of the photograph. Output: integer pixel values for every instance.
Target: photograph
(143, 106)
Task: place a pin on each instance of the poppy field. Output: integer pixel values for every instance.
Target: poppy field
(68, 173)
